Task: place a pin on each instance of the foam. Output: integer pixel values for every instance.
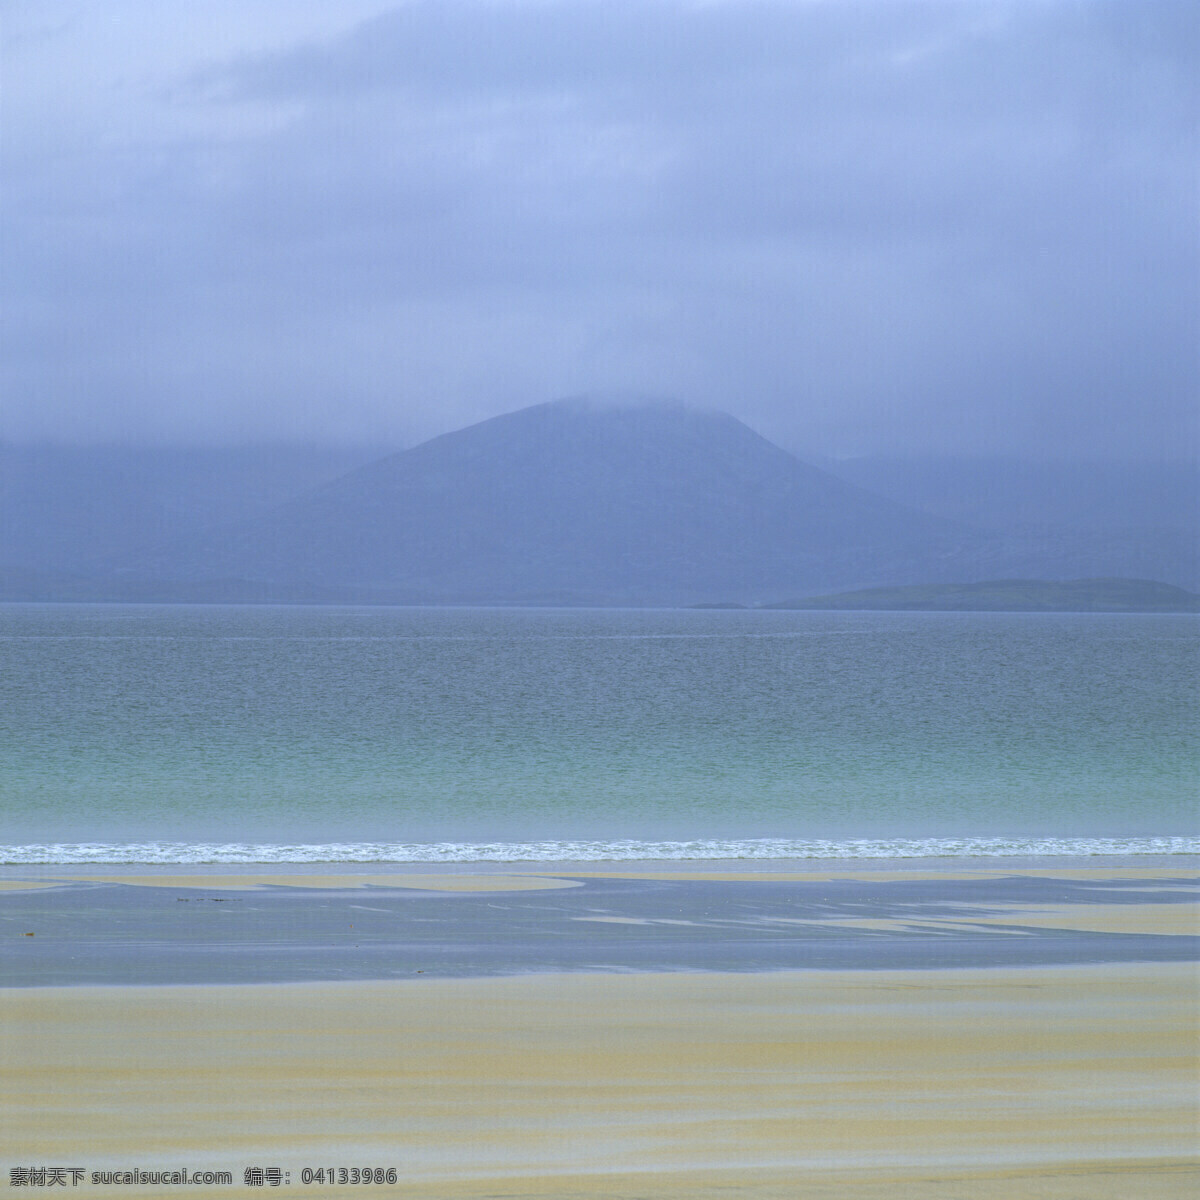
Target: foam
(620, 850)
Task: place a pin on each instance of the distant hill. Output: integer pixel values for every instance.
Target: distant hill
(572, 502)
(1013, 595)
(1057, 519)
(29, 584)
(577, 502)
(70, 508)
(1012, 494)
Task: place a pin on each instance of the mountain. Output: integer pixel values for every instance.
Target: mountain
(1013, 595)
(69, 508)
(1012, 494)
(572, 502)
(1062, 519)
(577, 501)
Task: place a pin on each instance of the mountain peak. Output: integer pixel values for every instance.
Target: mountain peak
(619, 400)
(620, 406)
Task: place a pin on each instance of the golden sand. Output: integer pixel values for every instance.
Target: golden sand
(1102, 918)
(217, 882)
(868, 875)
(1172, 919)
(1034, 1083)
(542, 878)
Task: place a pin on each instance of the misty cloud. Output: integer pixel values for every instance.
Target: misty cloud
(856, 226)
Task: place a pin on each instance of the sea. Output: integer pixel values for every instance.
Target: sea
(261, 734)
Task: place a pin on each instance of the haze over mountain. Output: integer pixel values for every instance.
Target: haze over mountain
(576, 500)
(914, 228)
(1007, 494)
(1057, 519)
(68, 508)
(885, 230)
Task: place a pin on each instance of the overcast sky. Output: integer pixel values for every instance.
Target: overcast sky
(878, 227)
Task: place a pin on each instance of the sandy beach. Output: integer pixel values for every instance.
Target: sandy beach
(1054, 1080)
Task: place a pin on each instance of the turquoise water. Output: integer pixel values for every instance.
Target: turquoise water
(198, 733)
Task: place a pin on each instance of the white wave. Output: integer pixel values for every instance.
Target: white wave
(592, 851)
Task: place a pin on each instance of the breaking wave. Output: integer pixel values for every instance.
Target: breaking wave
(592, 851)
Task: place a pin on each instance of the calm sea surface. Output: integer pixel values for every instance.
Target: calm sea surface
(148, 733)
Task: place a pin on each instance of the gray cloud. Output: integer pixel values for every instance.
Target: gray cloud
(860, 227)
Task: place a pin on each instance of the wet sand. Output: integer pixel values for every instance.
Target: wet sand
(257, 928)
(1040, 1082)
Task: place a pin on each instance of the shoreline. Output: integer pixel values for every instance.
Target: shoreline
(814, 867)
